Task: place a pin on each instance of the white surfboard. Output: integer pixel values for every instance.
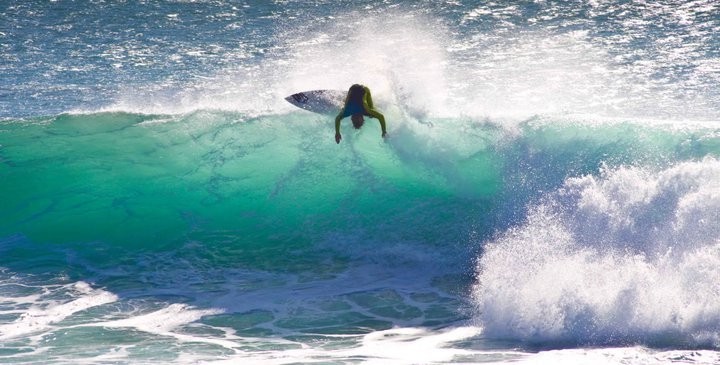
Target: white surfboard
(319, 101)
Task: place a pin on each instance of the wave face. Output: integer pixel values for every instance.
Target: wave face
(549, 181)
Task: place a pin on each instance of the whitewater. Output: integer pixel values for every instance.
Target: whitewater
(548, 193)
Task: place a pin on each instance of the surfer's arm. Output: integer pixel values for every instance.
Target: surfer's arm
(338, 118)
(376, 114)
(370, 108)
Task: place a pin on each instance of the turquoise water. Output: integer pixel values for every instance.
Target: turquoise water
(548, 191)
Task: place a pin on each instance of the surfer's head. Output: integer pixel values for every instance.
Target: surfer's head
(357, 120)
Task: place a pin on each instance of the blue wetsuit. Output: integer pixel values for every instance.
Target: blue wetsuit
(362, 106)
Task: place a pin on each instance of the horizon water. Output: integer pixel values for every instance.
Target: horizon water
(549, 190)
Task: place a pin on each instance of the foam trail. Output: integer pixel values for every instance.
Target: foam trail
(617, 356)
(632, 256)
(40, 317)
(397, 346)
(166, 320)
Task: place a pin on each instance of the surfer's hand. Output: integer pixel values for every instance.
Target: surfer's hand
(338, 137)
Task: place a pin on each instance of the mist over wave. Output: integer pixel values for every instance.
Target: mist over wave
(426, 60)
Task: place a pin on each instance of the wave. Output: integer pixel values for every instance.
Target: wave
(622, 213)
(134, 178)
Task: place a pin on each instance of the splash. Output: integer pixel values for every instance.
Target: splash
(631, 256)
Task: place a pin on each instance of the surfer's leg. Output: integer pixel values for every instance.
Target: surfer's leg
(372, 113)
(368, 99)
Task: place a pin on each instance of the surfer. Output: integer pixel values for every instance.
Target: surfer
(358, 103)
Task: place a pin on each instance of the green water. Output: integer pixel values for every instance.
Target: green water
(149, 181)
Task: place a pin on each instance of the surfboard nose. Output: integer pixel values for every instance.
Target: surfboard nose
(318, 101)
(300, 97)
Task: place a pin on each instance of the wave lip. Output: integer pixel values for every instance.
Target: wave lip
(629, 257)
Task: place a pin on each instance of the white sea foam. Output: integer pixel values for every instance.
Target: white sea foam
(396, 346)
(631, 256)
(45, 311)
(620, 355)
(166, 321)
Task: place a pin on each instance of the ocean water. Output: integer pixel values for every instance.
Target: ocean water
(548, 193)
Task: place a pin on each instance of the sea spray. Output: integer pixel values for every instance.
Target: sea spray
(630, 256)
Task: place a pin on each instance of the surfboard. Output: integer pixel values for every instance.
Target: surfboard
(319, 101)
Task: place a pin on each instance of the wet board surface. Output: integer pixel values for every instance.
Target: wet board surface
(319, 101)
